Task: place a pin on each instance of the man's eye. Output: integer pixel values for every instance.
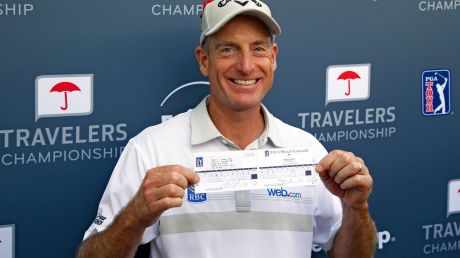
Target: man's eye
(226, 50)
(260, 50)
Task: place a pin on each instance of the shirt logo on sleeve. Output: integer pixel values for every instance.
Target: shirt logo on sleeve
(99, 218)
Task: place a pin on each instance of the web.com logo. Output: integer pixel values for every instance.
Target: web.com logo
(280, 192)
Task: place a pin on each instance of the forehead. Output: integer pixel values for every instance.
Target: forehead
(242, 28)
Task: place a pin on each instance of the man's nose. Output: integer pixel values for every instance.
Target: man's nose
(245, 62)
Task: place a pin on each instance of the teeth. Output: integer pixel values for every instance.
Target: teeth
(245, 82)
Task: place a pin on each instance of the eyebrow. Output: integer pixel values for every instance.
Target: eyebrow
(224, 43)
(261, 42)
(229, 43)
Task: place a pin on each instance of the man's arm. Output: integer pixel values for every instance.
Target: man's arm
(120, 239)
(357, 236)
(161, 189)
(346, 176)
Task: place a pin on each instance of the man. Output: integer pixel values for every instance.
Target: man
(144, 201)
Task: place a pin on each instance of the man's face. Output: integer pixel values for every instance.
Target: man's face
(239, 60)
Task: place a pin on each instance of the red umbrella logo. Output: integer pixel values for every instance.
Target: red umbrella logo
(348, 75)
(65, 87)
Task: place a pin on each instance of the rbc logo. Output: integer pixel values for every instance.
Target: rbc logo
(193, 197)
(199, 162)
(436, 92)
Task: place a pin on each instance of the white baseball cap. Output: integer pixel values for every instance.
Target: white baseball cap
(217, 13)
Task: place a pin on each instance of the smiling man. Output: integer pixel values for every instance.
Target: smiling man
(150, 197)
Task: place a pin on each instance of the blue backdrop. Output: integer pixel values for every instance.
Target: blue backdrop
(53, 170)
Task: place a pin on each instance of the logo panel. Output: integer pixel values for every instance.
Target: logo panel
(63, 95)
(436, 92)
(348, 82)
(7, 241)
(453, 197)
(442, 237)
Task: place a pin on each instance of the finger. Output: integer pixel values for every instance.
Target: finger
(169, 202)
(189, 174)
(361, 182)
(361, 161)
(348, 171)
(325, 163)
(152, 201)
(159, 177)
(342, 160)
(172, 174)
(169, 190)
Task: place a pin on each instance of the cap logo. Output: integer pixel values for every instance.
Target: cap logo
(222, 3)
(241, 3)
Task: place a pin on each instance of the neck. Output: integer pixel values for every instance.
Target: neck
(240, 127)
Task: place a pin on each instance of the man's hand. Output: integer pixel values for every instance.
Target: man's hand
(162, 188)
(347, 177)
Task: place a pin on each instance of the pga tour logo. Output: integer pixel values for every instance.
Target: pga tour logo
(63, 95)
(436, 92)
(348, 82)
(453, 196)
(199, 162)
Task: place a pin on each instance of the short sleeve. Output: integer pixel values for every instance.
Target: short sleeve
(124, 183)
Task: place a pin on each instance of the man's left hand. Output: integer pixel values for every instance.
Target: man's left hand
(347, 177)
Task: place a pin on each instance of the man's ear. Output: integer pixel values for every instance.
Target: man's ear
(274, 53)
(202, 58)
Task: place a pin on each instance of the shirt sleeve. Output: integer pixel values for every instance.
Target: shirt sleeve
(124, 183)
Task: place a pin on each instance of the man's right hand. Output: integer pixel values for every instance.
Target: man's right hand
(162, 188)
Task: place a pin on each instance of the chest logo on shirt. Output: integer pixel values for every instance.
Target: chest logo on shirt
(193, 197)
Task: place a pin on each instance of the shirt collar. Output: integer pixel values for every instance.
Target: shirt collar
(204, 130)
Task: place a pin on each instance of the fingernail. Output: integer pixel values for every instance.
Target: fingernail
(319, 168)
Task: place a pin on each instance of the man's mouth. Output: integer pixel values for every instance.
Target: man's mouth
(244, 82)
